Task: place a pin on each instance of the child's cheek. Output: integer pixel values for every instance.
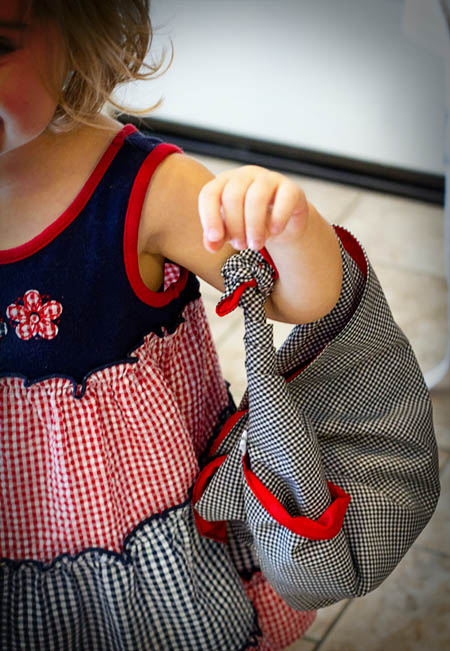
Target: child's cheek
(26, 109)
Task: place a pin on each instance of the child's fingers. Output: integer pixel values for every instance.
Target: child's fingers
(236, 207)
(210, 215)
(233, 196)
(290, 201)
(258, 198)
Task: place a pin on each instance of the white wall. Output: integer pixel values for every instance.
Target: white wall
(338, 76)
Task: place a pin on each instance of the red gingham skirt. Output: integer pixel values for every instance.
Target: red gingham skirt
(78, 473)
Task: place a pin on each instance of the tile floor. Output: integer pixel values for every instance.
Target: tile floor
(404, 240)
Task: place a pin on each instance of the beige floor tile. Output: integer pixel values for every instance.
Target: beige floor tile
(220, 325)
(444, 456)
(302, 645)
(419, 304)
(324, 619)
(281, 332)
(209, 292)
(408, 612)
(436, 535)
(399, 232)
(440, 397)
(232, 358)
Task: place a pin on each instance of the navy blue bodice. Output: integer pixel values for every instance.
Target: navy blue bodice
(71, 299)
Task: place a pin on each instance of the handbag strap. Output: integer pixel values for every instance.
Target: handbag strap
(249, 278)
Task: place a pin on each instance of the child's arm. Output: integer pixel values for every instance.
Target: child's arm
(184, 202)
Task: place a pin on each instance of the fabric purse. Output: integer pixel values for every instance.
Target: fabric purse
(328, 470)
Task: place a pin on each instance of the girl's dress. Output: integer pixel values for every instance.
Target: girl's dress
(125, 521)
(109, 394)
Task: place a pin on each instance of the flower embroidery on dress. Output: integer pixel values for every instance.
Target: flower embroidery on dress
(3, 328)
(34, 317)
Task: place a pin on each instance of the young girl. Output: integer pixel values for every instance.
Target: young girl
(111, 390)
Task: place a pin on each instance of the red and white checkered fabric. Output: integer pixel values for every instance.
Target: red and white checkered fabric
(281, 626)
(171, 274)
(80, 473)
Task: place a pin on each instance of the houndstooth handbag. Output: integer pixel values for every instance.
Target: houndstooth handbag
(328, 471)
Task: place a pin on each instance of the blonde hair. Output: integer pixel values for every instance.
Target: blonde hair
(106, 42)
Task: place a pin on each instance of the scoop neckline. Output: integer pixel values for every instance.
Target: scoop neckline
(46, 236)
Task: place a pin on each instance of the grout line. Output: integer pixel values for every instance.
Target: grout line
(221, 338)
(227, 332)
(398, 267)
(348, 210)
(444, 467)
(433, 552)
(332, 625)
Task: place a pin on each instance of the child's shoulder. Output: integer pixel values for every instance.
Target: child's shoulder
(170, 223)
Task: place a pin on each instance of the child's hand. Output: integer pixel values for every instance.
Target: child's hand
(249, 205)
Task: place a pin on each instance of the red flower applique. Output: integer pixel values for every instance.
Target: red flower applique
(35, 318)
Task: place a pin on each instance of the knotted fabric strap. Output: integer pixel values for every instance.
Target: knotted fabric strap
(243, 271)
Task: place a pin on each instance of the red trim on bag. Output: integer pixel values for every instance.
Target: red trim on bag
(353, 248)
(268, 258)
(217, 530)
(130, 239)
(231, 302)
(326, 527)
(301, 368)
(229, 424)
(69, 215)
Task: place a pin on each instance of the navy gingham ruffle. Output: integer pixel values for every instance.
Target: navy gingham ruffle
(163, 591)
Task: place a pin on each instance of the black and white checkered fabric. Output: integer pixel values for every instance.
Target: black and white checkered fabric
(170, 590)
(358, 415)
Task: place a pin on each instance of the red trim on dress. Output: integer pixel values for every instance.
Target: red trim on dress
(131, 231)
(67, 217)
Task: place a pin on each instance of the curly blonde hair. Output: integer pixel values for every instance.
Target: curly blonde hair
(106, 42)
